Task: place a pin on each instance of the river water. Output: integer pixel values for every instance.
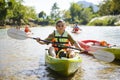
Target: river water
(24, 59)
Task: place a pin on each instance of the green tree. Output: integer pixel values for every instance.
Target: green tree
(67, 16)
(3, 12)
(105, 8)
(28, 13)
(55, 13)
(75, 11)
(42, 14)
(115, 7)
(86, 15)
(14, 10)
(109, 7)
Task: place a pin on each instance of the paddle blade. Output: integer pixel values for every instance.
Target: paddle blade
(104, 55)
(17, 34)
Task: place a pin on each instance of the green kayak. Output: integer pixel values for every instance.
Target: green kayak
(63, 66)
(115, 51)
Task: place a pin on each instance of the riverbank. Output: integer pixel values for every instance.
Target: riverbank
(9, 26)
(3, 27)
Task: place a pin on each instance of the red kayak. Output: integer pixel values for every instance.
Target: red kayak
(77, 32)
(93, 45)
(86, 44)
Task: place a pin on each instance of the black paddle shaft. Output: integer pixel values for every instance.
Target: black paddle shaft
(59, 44)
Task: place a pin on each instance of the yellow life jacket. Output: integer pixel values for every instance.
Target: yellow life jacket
(61, 41)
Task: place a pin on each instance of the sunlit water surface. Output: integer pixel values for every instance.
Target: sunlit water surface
(24, 59)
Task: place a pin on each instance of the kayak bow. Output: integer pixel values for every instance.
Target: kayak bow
(63, 66)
